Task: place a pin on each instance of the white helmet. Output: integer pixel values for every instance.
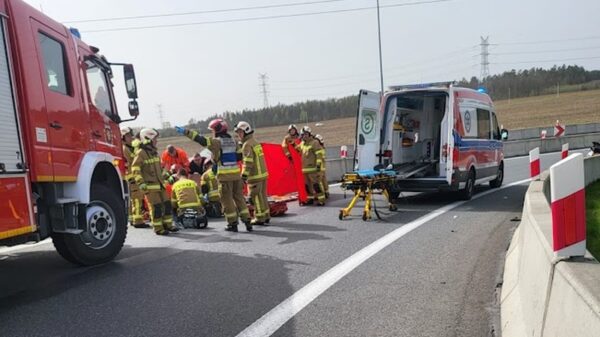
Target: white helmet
(148, 135)
(244, 126)
(319, 138)
(306, 129)
(126, 131)
(292, 126)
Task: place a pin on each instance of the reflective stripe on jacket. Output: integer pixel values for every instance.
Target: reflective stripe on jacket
(254, 166)
(186, 193)
(146, 168)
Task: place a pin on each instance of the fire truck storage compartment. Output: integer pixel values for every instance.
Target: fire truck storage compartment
(15, 205)
(416, 119)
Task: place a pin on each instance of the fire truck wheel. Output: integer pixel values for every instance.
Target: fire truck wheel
(105, 231)
(58, 239)
(498, 181)
(467, 192)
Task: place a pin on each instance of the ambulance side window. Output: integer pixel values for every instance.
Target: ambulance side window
(483, 124)
(495, 128)
(53, 53)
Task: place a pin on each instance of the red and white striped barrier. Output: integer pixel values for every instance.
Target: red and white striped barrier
(534, 163)
(344, 151)
(565, 151)
(543, 134)
(567, 193)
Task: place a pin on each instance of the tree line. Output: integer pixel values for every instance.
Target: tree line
(509, 84)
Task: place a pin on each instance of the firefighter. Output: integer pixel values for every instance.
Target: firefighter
(312, 163)
(209, 185)
(185, 195)
(226, 153)
(292, 138)
(136, 216)
(254, 172)
(323, 172)
(148, 175)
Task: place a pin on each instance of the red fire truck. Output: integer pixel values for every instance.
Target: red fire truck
(61, 161)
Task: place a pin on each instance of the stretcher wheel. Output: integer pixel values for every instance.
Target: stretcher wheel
(341, 215)
(365, 216)
(393, 208)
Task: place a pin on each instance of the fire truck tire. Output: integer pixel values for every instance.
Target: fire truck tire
(105, 231)
(498, 181)
(467, 192)
(58, 239)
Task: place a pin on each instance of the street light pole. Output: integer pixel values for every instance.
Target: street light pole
(380, 56)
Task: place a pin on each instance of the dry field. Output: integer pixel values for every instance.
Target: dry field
(571, 108)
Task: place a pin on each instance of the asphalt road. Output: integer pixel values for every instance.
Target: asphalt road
(440, 279)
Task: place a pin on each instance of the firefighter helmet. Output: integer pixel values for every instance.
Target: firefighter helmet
(218, 125)
(243, 126)
(306, 130)
(319, 138)
(126, 131)
(292, 126)
(148, 135)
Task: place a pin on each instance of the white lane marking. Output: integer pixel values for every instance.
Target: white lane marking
(24, 246)
(278, 316)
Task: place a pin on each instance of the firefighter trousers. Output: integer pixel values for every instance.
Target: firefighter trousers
(258, 195)
(232, 199)
(136, 212)
(314, 186)
(161, 214)
(324, 183)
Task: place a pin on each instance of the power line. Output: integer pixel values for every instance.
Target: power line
(225, 10)
(547, 51)
(546, 61)
(551, 41)
(258, 18)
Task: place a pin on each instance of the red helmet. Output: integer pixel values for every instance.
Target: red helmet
(218, 125)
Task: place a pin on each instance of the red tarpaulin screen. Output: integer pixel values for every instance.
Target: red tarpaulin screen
(285, 177)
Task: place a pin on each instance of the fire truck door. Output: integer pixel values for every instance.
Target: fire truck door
(15, 203)
(68, 127)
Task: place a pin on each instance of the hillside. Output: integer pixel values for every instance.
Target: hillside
(571, 108)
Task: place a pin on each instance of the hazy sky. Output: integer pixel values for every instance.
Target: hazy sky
(201, 69)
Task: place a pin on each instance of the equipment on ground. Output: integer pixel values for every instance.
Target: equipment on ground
(364, 183)
(192, 218)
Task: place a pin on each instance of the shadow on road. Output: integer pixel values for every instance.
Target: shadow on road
(145, 292)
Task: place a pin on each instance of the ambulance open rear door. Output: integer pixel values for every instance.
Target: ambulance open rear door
(16, 217)
(368, 131)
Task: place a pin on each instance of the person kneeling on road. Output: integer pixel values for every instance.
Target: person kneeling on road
(186, 196)
(210, 191)
(254, 172)
(226, 153)
(147, 174)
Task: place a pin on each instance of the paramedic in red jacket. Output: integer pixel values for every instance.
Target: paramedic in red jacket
(174, 156)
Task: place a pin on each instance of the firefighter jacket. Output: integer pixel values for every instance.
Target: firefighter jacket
(312, 155)
(210, 185)
(289, 140)
(226, 153)
(146, 168)
(254, 167)
(129, 155)
(180, 159)
(186, 194)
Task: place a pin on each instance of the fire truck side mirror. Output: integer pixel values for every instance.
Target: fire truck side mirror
(134, 109)
(130, 84)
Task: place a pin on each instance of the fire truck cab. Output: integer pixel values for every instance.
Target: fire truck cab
(61, 157)
(436, 137)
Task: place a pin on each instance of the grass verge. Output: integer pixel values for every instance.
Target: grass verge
(592, 209)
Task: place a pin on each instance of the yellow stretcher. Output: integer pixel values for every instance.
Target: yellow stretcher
(363, 183)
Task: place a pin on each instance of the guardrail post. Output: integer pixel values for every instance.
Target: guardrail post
(534, 163)
(565, 151)
(567, 194)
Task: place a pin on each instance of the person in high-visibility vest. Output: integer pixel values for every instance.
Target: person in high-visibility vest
(254, 172)
(148, 175)
(209, 185)
(292, 138)
(312, 163)
(323, 173)
(136, 196)
(226, 153)
(185, 194)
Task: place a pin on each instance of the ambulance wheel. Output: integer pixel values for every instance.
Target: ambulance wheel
(467, 192)
(105, 231)
(498, 181)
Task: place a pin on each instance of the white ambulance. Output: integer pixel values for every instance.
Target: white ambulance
(435, 137)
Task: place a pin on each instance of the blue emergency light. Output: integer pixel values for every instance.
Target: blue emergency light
(482, 90)
(75, 32)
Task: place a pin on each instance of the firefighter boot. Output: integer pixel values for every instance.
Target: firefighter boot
(248, 225)
(232, 227)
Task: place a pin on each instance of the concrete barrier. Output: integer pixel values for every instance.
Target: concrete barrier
(541, 295)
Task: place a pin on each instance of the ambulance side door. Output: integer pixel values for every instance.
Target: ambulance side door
(368, 131)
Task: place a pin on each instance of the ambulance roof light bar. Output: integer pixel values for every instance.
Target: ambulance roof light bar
(422, 86)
